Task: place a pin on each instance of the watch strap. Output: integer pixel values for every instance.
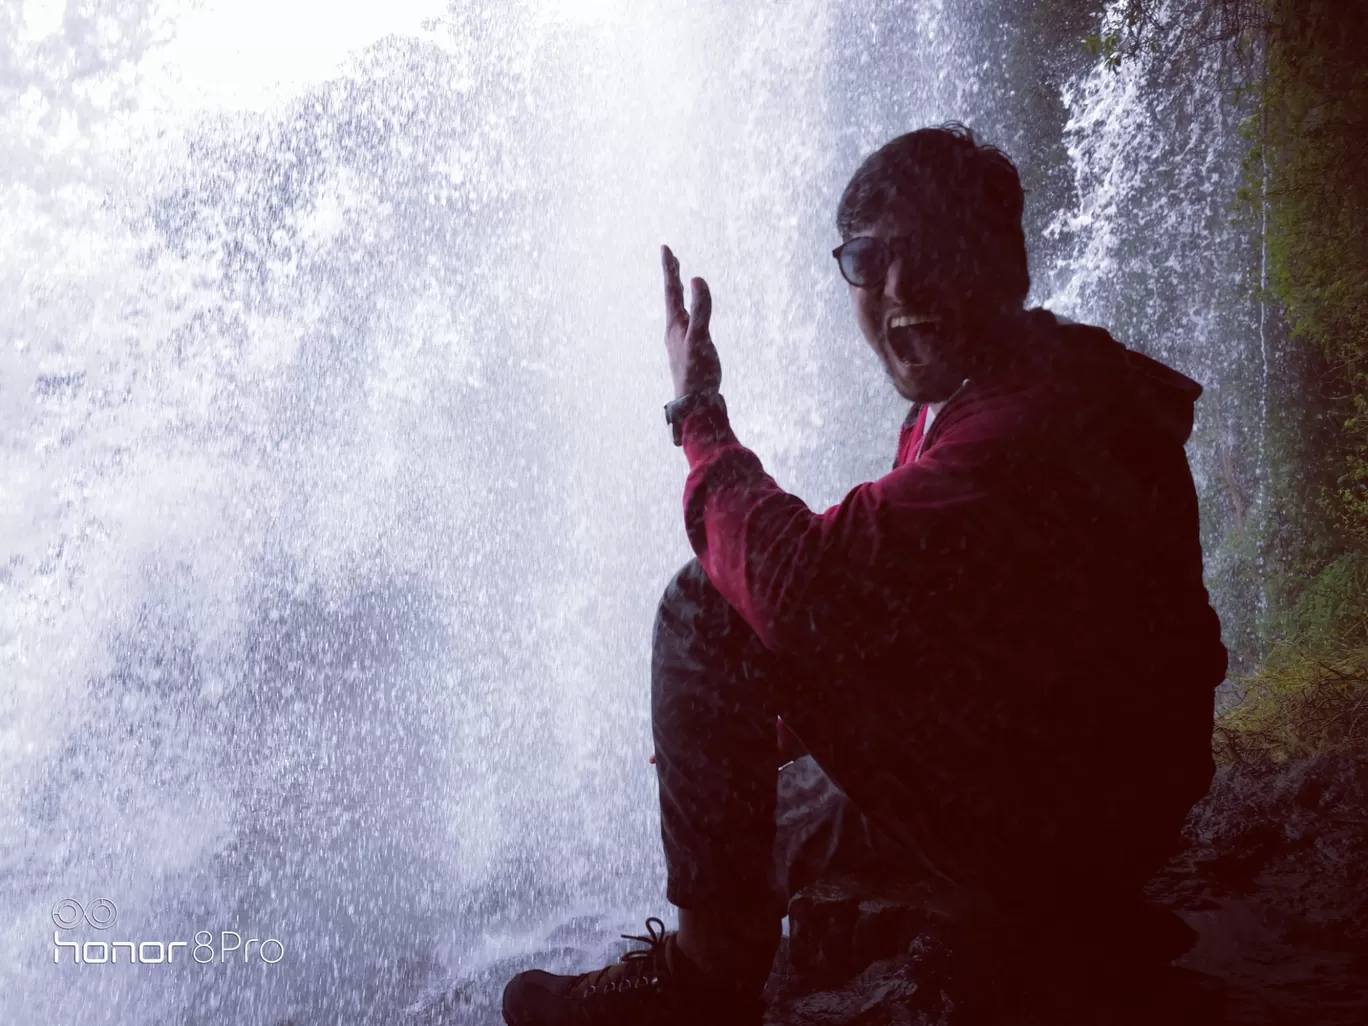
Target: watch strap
(678, 410)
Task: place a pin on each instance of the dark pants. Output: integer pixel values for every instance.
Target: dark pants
(737, 835)
(715, 693)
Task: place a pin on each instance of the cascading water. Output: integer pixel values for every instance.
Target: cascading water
(337, 496)
(1160, 252)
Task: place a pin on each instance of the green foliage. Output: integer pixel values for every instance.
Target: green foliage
(1311, 149)
(1105, 46)
(1308, 141)
(1300, 703)
(1306, 196)
(1147, 28)
(1332, 611)
(1310, 695)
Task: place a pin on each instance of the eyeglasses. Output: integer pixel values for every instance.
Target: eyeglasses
(864, 260)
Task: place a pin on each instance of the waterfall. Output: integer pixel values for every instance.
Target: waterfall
(1158, 249)
(337, 495)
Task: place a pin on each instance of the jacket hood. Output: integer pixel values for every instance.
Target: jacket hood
(1086, 365)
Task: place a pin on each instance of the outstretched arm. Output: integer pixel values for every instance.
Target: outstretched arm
(803, 579)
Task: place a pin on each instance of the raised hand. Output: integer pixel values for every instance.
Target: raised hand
(693, 357)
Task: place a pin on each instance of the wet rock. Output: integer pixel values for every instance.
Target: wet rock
(1292, 837)
(1272, 876)
(838, 927)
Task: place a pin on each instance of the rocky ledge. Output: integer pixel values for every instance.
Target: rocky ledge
(1272, 877)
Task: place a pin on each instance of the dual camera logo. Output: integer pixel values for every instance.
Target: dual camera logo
(101, 914)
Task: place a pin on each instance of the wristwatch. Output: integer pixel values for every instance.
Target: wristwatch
(677, 410)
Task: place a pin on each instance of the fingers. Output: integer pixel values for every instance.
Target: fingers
(700, 307)
(674, 288)
(699, 313)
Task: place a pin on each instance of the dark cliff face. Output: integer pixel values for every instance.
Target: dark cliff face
(1272, 880)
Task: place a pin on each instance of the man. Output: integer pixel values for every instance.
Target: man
(1002, 651)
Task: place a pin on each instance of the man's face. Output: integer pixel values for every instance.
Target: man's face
(915, 325)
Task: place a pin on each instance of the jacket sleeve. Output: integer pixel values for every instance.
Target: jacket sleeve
(801, 578)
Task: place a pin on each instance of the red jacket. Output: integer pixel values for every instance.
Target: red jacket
(1036, 571)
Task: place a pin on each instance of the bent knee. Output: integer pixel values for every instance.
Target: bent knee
(691, 608)
(688, 588)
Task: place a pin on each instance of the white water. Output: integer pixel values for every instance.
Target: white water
(336, 494)
(1162, 254)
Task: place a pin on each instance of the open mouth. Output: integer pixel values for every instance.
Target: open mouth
(909, 336)
(913, 320)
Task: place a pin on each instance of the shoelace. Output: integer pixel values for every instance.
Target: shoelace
(646, 974)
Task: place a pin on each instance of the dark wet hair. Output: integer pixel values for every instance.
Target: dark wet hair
(949, 175)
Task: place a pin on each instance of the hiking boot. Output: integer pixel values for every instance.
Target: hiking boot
(652, 986)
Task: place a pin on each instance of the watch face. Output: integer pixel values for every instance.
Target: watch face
(677, 409)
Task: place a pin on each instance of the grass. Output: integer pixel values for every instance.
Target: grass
(1310, 694)
(1299, 703)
